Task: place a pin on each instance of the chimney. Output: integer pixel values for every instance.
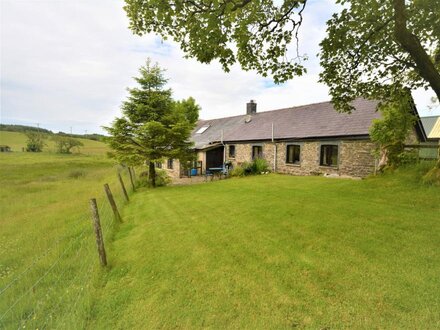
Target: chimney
(251, 107)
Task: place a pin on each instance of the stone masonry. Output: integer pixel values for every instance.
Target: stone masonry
(355, 157)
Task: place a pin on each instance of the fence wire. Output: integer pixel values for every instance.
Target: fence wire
(56, 289)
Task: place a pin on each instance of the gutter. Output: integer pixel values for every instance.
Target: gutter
(274, 151)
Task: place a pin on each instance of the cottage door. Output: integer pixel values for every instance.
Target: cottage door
(214, 157)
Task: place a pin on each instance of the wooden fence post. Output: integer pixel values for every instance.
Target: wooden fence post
(123, 187)
(131, 178)
(112, 203)
(98, 232)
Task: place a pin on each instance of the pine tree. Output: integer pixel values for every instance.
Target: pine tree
(153, 126)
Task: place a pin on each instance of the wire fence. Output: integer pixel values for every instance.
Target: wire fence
(56, 289)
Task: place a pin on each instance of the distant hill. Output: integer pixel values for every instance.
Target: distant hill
(94, 136)
(24, 128)
(17, 142)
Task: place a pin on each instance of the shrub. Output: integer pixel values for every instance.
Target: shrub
(237, 171)
(392, 129)
(258, 166)
(162, 179)
(247, 168)
(408, 157)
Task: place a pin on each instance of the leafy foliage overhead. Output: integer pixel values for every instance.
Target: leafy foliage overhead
(363, 52)
(255, 34)
(370, 44)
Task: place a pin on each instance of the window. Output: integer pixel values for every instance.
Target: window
(158, 164)
(170, 164)
(257, 152)
(231, 151)
(202, 129)
(329, 155)
(293, 154)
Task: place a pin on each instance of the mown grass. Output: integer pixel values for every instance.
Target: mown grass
(17, 141)
(48, 260)
(275, 251)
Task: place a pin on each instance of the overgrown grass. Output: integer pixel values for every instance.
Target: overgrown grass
(277, 252)
(48, 259)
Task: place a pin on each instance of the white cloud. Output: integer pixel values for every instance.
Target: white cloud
(68, 63)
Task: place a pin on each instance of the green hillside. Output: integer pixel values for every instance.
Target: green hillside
(17, 141)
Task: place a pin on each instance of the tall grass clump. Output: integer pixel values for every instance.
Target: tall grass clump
(76, 174)
(432, 177)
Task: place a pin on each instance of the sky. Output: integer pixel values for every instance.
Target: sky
(66, 66)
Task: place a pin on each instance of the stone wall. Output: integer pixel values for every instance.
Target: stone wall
(173, 172)
(355, 157)
(243, 153)
(201, 156)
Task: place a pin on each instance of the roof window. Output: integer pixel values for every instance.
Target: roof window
(202, 129)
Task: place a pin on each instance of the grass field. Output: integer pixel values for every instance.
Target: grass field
(272, 252)
(17, 141)
(48, 260)
(260, 252)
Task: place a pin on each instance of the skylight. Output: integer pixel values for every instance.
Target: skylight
(202, 129)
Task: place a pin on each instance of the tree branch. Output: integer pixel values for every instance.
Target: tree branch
(411, 44)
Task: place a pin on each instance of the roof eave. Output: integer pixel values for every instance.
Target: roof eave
(329, 137)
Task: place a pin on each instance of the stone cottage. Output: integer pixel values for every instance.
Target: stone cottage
(312, 139)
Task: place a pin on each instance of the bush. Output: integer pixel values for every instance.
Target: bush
(237, 171)
(408, 157)
(162, 179)
(258, 166)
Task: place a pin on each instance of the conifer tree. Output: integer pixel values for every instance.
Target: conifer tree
(153, 126)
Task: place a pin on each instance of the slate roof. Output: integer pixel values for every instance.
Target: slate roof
(429, 123)
(317, 120)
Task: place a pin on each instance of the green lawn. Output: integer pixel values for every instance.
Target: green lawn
(48, 260)
(276, 251)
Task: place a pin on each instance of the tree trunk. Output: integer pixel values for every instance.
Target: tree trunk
(152, 174)
(383, 161)
(411, 44)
